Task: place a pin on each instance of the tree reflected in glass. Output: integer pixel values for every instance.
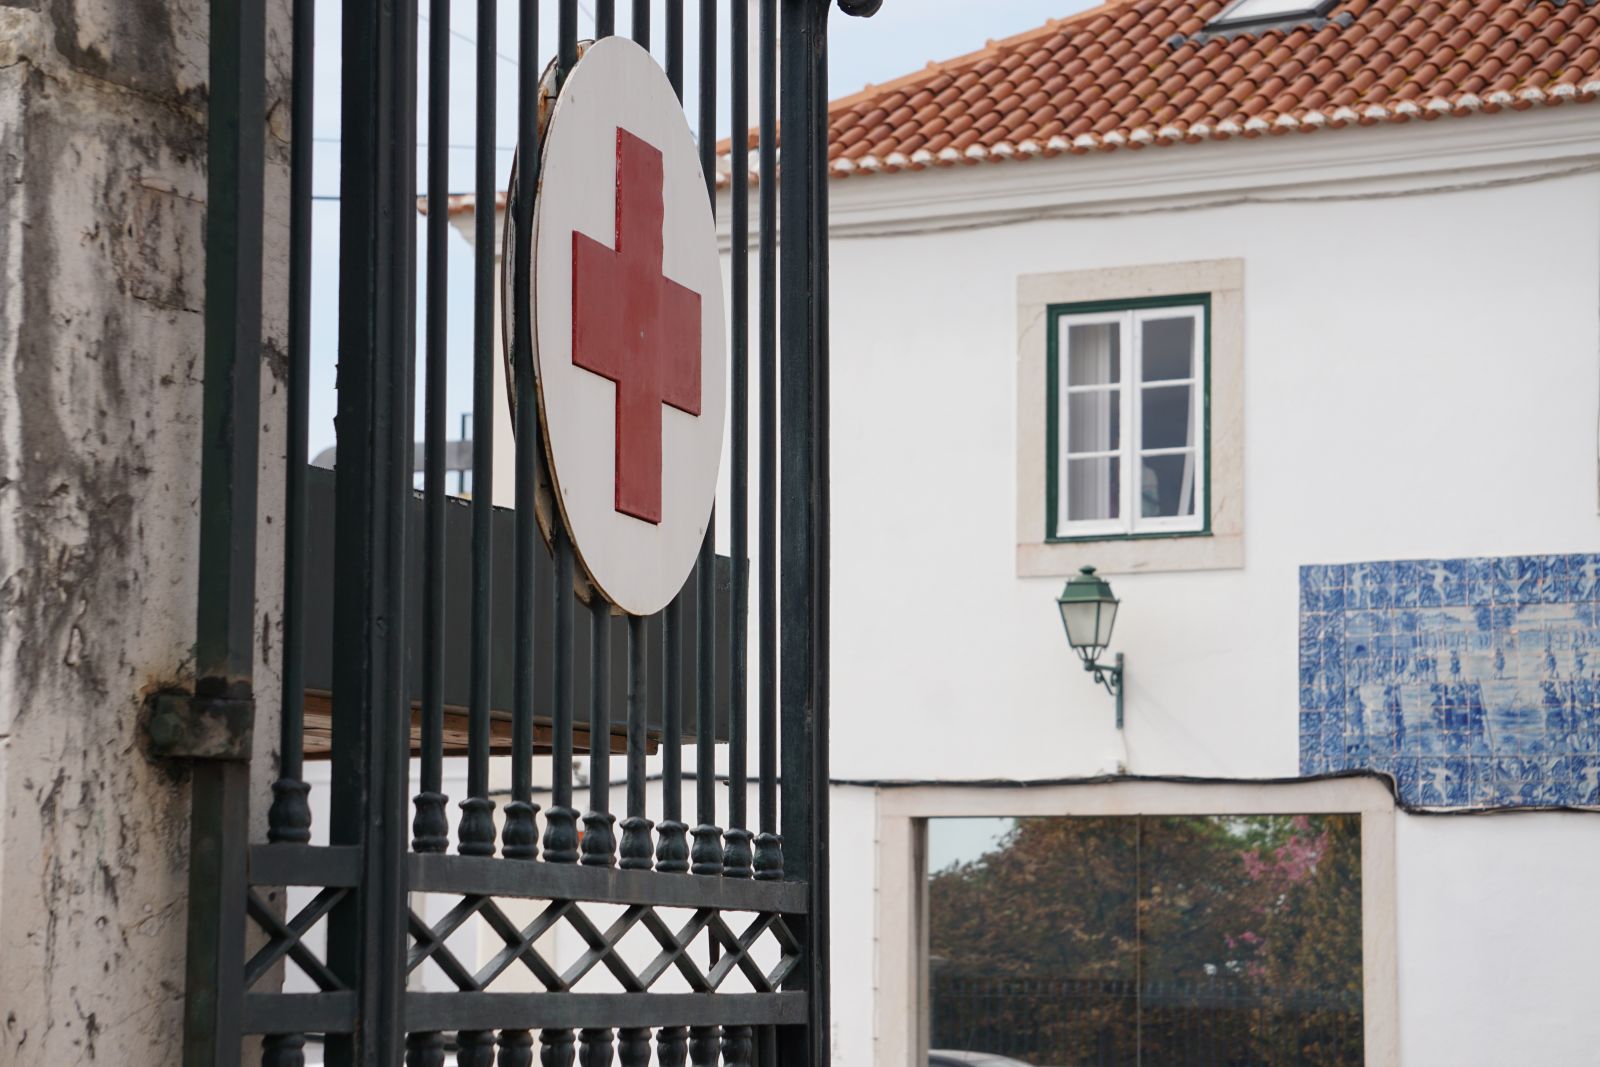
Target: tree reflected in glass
(1161, 939)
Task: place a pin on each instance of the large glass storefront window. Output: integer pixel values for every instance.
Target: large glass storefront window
(1064, 942)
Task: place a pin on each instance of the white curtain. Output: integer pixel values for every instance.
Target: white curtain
(1092, 351)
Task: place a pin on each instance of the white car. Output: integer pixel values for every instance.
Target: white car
(948, 1057)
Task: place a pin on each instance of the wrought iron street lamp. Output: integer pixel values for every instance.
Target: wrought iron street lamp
(1088, 611)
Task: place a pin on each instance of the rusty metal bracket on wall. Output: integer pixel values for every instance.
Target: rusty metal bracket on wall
(179, 725)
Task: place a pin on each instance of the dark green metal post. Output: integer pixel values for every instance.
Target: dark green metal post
(225, 615)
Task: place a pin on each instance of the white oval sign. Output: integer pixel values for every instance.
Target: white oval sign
(628, 334)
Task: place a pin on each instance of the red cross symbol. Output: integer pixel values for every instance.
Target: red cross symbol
(636, 327)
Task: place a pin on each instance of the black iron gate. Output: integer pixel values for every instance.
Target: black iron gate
(745, 905)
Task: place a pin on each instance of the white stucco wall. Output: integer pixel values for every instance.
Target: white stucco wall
(1421, 377)
(1421, 380)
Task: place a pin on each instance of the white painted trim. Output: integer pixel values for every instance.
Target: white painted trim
(899, 977)
(1130, 387)
(1358, 161)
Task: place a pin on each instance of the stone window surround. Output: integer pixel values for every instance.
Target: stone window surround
(1223, 546)
(901, 900)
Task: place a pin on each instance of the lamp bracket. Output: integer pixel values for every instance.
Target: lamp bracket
(1110, 677)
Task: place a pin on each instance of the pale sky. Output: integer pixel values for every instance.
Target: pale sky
(901, 38)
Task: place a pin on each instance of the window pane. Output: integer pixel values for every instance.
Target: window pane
(1094, 354)
(1259, 9)
(1168, 348)
(1251, 918)
(1032, 939)
(1147, 940)
(1094, 421)
(1164, 420)
(1167, 485)
(1094, 488)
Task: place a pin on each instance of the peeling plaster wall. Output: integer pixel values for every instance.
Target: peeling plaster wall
(102, 214)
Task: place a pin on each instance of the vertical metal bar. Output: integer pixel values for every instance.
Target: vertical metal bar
(737, 857)
(637, 848)
(561, 820)
(706, 855)
(595, 1046)
(520, 837)
(633, 1046)
(556, 1048)
(475, 1048)
(804, 493)
(704, 1045)
(476, 832)
(225, 612)
(768, 845)
(366, 932)
(224, 641)
(599, 834)
(422, 1050)
(819, 920)
(675, 45)
(599, 837)
(567, 38)
(213, 1006)
(736, 1040)
(516, 1046)
(672, 1046)
(289, 818)
(672, 847)
(641, 23)
(285, 1050)
(430, 828)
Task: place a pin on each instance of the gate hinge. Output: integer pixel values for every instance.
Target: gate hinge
(184, 726)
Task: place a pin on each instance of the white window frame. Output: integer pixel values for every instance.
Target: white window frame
(902, 898)
(1131, 452)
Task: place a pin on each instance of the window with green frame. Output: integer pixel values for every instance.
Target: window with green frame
(1128, 423)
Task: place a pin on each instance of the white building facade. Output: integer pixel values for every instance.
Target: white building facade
(1403, 388)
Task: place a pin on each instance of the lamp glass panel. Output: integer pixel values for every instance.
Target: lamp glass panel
(1083, 623)
(1104, 621)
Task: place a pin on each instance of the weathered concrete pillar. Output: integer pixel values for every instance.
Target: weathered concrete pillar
(102, 262)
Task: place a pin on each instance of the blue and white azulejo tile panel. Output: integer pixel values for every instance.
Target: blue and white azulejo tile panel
(1473, 682)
